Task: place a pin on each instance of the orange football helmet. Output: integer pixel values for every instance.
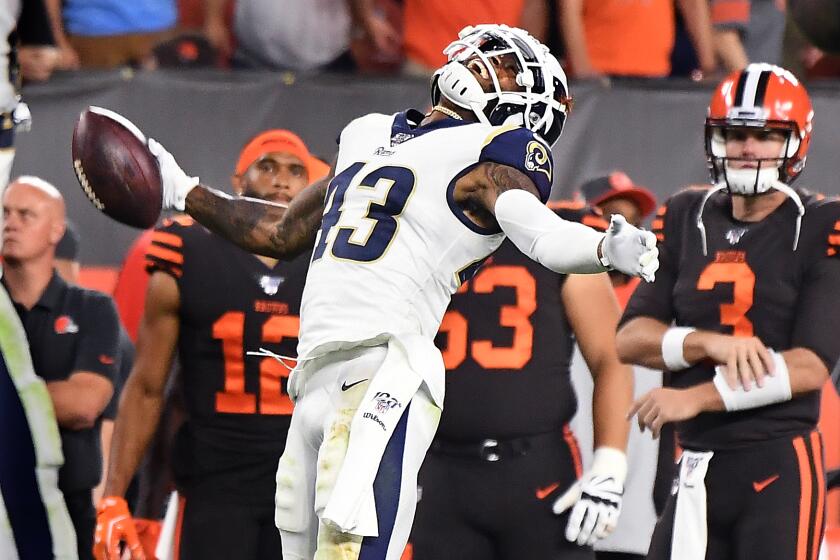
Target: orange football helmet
(760, 96)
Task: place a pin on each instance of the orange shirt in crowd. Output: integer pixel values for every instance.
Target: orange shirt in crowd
(630, 37)
(430, 25)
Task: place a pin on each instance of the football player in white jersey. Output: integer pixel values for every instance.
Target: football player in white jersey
(414, 204)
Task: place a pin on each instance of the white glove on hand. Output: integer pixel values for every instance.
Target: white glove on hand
(596, 497)
(630, 250)
(176, 183)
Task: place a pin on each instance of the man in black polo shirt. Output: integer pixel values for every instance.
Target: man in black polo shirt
(72, 334)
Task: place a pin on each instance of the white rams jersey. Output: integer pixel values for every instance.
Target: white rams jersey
(393, 245)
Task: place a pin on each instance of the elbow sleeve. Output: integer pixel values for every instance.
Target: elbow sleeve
(560, 245)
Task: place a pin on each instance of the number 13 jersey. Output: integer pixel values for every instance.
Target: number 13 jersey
(750, 283)
(394, 245)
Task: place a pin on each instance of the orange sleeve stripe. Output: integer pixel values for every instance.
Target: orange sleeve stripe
(727, 11)
(595, 222)
(150, 264)
(658, 223)
(816, 447)
(165, 254)
(662, 211)
(183, 220)
(168, 238)
(831, 251)
(660, 237)
(837, 225)
(565, 204)
(804, 498)
(834, 239)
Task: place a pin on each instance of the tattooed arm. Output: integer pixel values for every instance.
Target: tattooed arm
(264, 228)
(477, 191)
(494, 195)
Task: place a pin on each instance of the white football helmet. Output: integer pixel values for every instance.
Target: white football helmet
(543, 103)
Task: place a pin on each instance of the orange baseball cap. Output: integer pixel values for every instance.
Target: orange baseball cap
(278, 140)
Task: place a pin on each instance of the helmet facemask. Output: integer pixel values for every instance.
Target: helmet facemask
(541, 83)
(748, 181)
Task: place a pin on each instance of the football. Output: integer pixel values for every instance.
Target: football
(115, 168)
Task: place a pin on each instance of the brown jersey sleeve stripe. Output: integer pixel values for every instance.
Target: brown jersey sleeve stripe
(166, 238)
(165, 254)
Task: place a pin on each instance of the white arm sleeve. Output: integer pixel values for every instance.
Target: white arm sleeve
(557, 244)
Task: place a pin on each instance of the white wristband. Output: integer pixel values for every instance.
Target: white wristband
(776, 388)
(672, 347)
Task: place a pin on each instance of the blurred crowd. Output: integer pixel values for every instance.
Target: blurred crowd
(596, 38)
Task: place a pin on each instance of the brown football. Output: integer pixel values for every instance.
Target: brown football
(115, 168)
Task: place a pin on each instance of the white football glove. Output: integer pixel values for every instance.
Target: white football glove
(176, 183)
(596, 498)
(630, 250)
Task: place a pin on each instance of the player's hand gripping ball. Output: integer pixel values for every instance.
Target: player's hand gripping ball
(115, 168)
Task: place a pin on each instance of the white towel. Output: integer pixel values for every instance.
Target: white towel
(690, 535)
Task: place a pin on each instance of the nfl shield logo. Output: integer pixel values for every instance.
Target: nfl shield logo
(270, 284)
(734, 235)
(385, 402)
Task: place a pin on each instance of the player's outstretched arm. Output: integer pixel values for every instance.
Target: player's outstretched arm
(260, 227)
(494, 193)
(265, 228)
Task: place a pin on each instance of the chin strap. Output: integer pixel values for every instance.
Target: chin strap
(778, 185)
(700, 225)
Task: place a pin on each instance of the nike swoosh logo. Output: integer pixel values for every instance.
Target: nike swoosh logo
(345, 385)
(543, 492)
(762, 484)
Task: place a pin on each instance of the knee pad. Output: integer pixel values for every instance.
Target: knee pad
(290, 498)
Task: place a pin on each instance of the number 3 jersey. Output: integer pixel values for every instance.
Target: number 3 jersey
(394, 245)
(751, 282)
(238, 411)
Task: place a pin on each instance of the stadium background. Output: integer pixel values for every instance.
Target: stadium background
(650, 129)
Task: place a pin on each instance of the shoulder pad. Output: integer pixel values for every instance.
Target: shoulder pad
(519, 148)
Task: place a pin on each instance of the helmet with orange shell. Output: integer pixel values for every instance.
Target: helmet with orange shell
(760, 97)
(766, 97)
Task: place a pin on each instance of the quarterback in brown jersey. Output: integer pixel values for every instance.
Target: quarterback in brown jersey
(215, 304)
(738, 315)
